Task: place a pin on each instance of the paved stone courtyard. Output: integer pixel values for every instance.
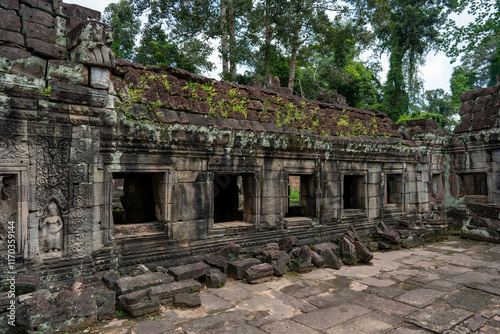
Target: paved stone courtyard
(445, 287)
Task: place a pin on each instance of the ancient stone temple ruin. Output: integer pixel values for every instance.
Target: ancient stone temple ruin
(106, 163)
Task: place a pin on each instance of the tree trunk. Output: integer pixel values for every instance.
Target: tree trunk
(232, 42)
(223, 39)
(267, 44)
(293, 60)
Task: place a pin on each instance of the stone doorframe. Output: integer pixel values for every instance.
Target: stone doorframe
(26, 235)
(164, 194)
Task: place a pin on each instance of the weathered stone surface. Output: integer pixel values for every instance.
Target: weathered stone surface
(187, 300)
(278, 259)
(66, 71)
(170, 290)
(438, 319)
(10, 21)
(17, 61)
(412, 240)
(330, 259)
(110, 278)
(236, 269)
(154, 327)
(215, 278)
(220, 258)
(301, 267)
(39, 312)
(36, 16)
(106, 302)
(273, 246)
(388, 234)
(140, 303)
(189, 271)
(259, 272)
(129, 284)
(363, 253)
(46, 49)
(286, 244)
(99, 78)
(11, 37)
(27, 283)
(349, 253)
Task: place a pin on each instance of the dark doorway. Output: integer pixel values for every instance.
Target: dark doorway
(354, 192)
(133, 198)
(232, 197)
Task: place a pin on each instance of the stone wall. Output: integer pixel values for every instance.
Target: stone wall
(115, 163)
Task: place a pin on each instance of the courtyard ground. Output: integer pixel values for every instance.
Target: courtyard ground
(446, 287)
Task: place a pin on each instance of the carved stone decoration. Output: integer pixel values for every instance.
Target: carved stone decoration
(51, 229)
(90, 44)
(52, 157)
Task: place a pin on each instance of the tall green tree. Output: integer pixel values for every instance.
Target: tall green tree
(125, 28)
(407, 30)
(480, 37)
(155, 49)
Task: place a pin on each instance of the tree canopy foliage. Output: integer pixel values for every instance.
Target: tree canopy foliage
(320, 46)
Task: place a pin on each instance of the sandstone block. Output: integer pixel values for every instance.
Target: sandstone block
(66, 71)
(236, 269)
(189, 271)
(170, 290)
(286, 244)
(215, 279)
(106, 302)
(139, 303)
(187, 300)
(130, 284)
(10, 21)
(7, 36)
(259, 272)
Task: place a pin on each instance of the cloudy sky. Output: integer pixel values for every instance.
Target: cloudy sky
(436, 72)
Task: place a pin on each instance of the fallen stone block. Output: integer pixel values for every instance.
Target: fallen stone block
(236, 269)
(187, 300)
(110, 278)
(170, 290)
(330, 259)
(386, 233)
(220, 258)
(278, 259)
(349, 254)
(189, 271)
(363, 253)
(286, 244)
(130, 284)
(273, 246)
(215, 279)
(317, 259)
(412, 240)
(259, 273)
(140, 303)
(301, 267)
(106, 303)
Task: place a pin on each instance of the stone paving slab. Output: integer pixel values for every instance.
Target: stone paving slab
(327, 318)
(288, 327)
(438, 319)
(408, 291)
(154, 327)
(385, 305)
(420, 297)
(372, 323)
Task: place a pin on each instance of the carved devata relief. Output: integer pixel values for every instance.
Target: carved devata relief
(51, 230)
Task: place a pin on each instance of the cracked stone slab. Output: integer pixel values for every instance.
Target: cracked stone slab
(200, 325)
(492, 287)
(330, 317)
(288, 327)
(438, 319)
(154, 327)
(371, 323)
(235, 329)
(473, 277)
(386, 305)
(420, 297)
